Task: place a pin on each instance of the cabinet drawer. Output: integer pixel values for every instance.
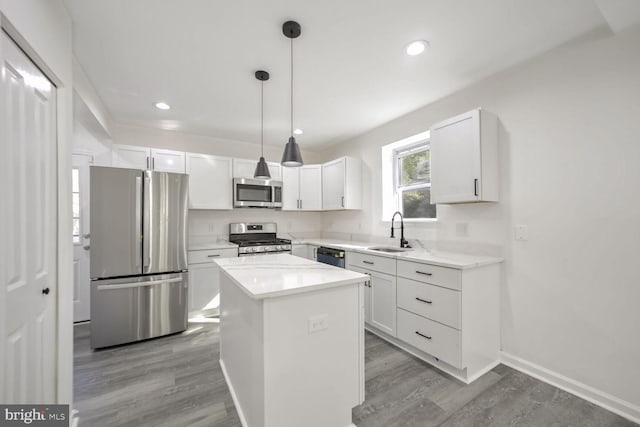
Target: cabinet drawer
(372, 262)
(210, 255)
(435, 275)
(434, 302)
(431, 337)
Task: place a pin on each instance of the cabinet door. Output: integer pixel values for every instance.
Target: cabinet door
(312, 252)
(455, 159)
(290, 189)
(204, 287)
(129, 156)
(383, 302)
(367, 301)
(275, 169)
(367, 293)
(167, 161)
(311, 188)
(244, 168)
(299, 250)
(333, 185)
(210, 182)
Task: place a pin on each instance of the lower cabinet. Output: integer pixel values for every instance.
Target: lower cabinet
(312, 252)
(204, 282)
(299, 250)
(380, 300)
(440, 341)
(446, 316)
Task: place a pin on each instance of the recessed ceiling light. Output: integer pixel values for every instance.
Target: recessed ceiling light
(162, 105)
(416, 47)
(298, 132)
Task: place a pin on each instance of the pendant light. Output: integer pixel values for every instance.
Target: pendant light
(291, 156)
(262, 169)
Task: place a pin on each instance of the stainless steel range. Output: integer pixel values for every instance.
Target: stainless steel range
(257, 239)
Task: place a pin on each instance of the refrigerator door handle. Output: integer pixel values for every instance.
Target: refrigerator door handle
(138, 284)
(146, 220)
(137, 249)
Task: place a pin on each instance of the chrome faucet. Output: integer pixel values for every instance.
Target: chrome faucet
(403, 241)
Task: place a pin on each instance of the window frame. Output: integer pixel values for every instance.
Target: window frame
(398, 189)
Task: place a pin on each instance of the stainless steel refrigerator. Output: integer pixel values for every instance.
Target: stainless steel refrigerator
(139, 280)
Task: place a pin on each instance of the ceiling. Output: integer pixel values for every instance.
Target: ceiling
(351, 72)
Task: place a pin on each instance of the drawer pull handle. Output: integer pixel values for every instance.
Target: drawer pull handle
(213, 255)
(426, 301)
(367, 262)
(423, 335)
(424, 272)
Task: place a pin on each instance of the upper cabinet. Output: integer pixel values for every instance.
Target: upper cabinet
(168, 161)
(129, 156)
(342, 184)
(302, 188)
(210, 181)
(464, 159)
(245, 168)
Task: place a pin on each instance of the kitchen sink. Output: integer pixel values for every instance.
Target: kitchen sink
(389, 250)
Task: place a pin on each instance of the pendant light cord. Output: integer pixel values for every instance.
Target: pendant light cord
(291, 87)
(262, 118)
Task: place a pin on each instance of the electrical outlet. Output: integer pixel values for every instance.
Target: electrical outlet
(522, 233)
(318, 323)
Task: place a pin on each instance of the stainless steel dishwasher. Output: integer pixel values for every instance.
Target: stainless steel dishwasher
(331, 256)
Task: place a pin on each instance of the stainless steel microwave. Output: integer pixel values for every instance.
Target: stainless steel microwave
(257, 193)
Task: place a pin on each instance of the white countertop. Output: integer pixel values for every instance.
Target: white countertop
(444, 259)
(200, 243)
(269, 276)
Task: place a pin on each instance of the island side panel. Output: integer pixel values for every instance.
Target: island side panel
(241, 350)
(313, 379)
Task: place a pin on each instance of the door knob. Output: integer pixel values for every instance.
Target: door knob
(45, 291)
(86, 248)
(86, 236)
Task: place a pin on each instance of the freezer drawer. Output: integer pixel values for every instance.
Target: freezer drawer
(137, 308)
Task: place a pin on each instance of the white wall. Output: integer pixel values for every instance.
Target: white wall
(86, 141)
(88, 106)
(569, 154)
(204, 223)
(42, 28)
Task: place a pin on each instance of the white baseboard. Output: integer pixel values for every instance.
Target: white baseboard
(236, 403)
(597, 397)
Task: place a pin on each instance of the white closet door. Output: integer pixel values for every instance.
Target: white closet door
(28, 190)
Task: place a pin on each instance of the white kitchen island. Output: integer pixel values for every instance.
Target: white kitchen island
(291, 340)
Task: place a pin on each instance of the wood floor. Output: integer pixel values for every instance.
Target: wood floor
(176, 381)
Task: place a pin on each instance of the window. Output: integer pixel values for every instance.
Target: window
(75, 198)
(413, 181)
(406, 179)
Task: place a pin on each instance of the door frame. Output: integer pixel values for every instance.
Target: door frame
(63, 313)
